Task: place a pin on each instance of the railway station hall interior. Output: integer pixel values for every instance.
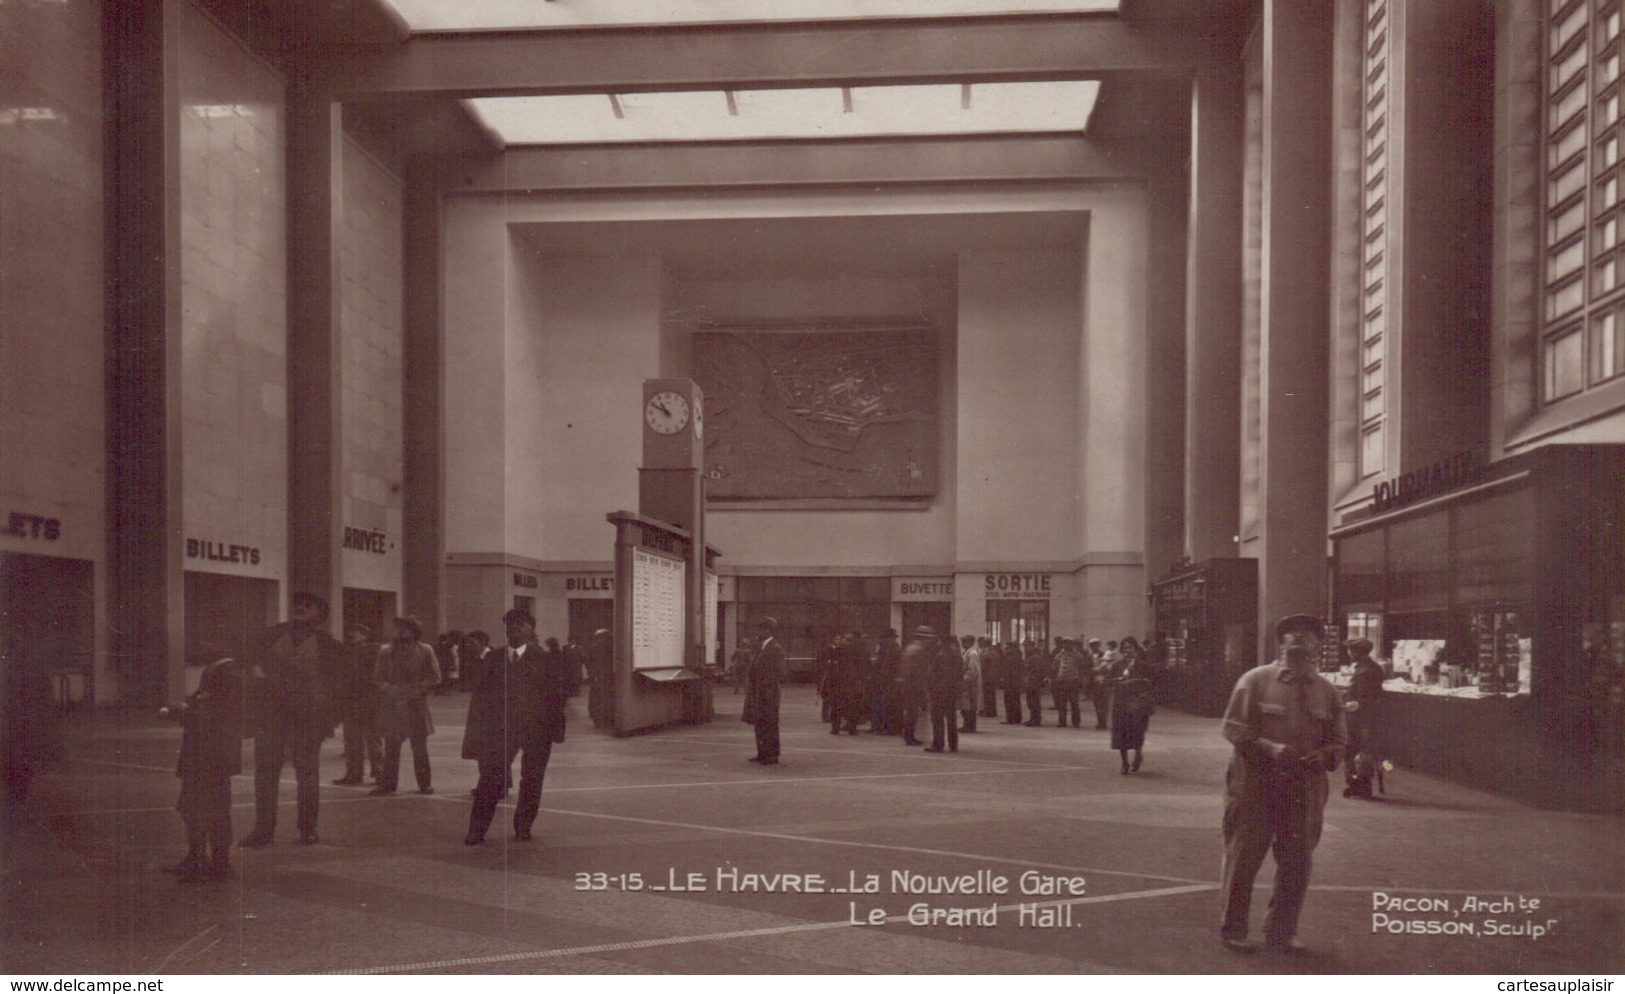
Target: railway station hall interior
(1012, 318)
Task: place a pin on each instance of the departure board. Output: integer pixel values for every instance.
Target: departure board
(657, 610)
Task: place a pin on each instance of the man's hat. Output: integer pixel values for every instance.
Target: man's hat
(1359, 647)
(767, 621)
(889, 633)
(924, 632)
(1297, 622)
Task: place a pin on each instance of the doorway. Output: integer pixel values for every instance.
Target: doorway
(374, 609)
(587, 616)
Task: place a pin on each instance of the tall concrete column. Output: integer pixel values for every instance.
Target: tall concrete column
(1213, 316)
(145, 595)
(1165, 373)
(315, 440)
(1294, 313)
(423, 539)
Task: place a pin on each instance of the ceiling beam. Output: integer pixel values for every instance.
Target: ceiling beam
(760, 56)
(868, 163)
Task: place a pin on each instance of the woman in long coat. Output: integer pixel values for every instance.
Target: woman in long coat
(406, 672)
(1132, 704)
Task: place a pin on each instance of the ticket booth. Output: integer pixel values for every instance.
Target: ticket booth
(1208, 613)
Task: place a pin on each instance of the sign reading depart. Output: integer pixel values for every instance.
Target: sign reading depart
(819, 413)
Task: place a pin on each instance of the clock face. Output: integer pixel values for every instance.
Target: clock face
(667, 412)
(699, 420)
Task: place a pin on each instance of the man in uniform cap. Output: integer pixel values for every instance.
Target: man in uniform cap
(1286, 724)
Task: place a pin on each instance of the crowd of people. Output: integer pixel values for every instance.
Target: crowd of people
(1288, 726)
(952, 681)
(299, 686)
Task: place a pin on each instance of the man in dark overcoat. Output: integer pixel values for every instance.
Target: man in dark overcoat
(914, 680)
(601, 679)
(846, 684)
(294, 669)
(762, 693)
(516, 706)
(1013, 679)
(884, 707)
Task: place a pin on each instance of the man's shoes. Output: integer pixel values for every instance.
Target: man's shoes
(425, 790)
(521, 835)
(757, 759)
(933, 748)
(219, 871)
(1135, 766)
(473, 839)
(1238, 944)
(309, 838)
(182, 868)
(770, 761)
(382, 790)
(346, 781)
(1286, 947)
(193, 875)
(256, 839)
(913, 742)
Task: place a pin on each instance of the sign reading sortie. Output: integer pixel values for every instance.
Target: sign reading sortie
(1017, 586)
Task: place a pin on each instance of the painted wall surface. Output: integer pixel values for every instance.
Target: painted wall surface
(370, 298)
(52, 454)
(477, 264)
(1020, 336)
(234, 300)
(584, 335)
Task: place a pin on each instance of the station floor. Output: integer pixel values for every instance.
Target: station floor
(627, 822)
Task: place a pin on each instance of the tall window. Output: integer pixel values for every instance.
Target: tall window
(1583, 343)
(1374, 254)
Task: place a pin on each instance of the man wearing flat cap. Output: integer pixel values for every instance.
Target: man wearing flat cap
(1364, 707)
(1287, 726)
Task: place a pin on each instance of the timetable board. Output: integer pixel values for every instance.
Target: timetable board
(712, 596)
(657, 610)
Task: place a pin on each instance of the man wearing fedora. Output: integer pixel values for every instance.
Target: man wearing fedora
(1286, 724)
(914, 680)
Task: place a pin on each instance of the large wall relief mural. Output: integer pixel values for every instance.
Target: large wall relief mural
(819, 413)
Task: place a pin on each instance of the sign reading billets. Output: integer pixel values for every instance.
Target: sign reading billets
(1016, 586)
(657, 610)
(221, 552)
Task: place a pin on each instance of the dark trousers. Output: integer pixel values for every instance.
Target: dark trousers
(362, 746)
(1012, 704)
(272, 748)
(1035, 705)
(1066, 702)
(969, 716)
(493, 785)
(390, 776)
(1282, 815)
(767, 737)
(1103, 707)
(944, 720)
(990, 699)
(601, 704)
(912, 703)
(205, 809)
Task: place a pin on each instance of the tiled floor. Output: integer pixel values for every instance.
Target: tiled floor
(628, 822)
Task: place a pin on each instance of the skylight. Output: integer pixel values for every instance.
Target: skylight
(824, 112)
(529, 15)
